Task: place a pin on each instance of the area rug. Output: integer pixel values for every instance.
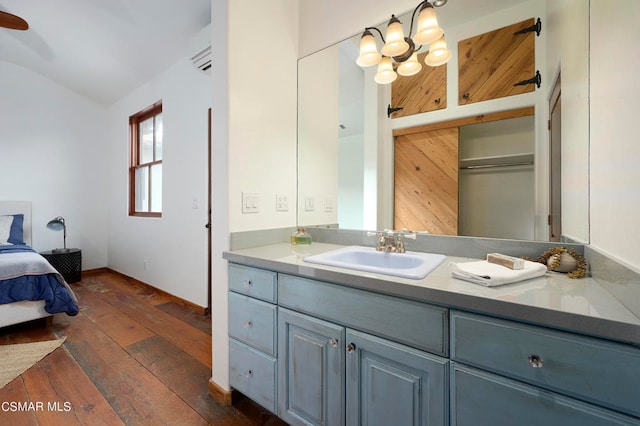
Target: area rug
(18, 358)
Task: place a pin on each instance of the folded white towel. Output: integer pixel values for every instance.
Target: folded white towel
(491, 275)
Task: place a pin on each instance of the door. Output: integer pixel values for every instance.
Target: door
(426, 181)
(555, 165)
(392, 384)
(310, 370)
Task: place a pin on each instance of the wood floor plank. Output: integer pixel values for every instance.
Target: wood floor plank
(65, 401)
(134, 393)
(13, 393)
(146, 374)
(195, 342)
(122, 328)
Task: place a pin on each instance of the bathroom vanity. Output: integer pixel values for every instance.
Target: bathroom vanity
(324, 345)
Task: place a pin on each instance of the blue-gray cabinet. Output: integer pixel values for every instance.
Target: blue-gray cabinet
(393, 384)
(319, 353)
(252, 334)
(505, 372)
(310, 370)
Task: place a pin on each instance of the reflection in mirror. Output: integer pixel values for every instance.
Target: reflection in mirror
(348, 158)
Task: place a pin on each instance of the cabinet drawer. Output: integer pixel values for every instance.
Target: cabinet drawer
(253, 374)
(253, 322)
(591, 369)
(481, 398)
(253, 282)
(405, 321)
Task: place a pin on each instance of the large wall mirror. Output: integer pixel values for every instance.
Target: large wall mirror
(348, 147)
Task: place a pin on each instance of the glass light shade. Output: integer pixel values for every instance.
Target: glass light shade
(438, 53)
(395, 44)
(428, 30)
(385, 74)
(410, 67)
(369, 55)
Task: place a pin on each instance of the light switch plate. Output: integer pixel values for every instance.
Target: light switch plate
(309, 204)
(250, 202)
(282, 203)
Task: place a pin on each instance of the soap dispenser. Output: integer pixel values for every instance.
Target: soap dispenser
(300, 236)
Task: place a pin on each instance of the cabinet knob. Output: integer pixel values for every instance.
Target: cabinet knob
(333, 343)
(247, 324)
(351, 347)
(248, 283)
(248, 373)
(535, 361)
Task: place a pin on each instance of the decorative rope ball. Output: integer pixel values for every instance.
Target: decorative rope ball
(562, 259)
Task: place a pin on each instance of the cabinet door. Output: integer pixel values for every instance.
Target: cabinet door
(426, 181)
(423, 92)
(489, 65)
(392, 384)
(310, 370)
(479, 398)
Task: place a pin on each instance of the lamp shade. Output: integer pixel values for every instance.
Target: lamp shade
(369, 54)
(410, 67)
(438, 53)
(395, 44)
(385, 74)
(428, 30)
(58, 224)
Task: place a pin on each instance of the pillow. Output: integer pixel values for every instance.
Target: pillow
(16, 235)
(11, 229)
(5, 229)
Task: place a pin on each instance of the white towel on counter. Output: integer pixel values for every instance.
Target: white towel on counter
(491, 274)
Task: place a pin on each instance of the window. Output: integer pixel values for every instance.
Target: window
(145, 171)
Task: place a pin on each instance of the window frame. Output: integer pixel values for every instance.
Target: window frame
(134, 147)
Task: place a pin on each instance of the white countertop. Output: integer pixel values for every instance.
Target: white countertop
(579, 305)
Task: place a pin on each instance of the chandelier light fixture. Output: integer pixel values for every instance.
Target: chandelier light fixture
(403, 50)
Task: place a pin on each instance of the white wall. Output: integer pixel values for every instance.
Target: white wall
(52, 150)
(174, 246)
(254, 133)
(614, 149)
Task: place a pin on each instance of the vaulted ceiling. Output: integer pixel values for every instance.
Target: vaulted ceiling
(102, 49)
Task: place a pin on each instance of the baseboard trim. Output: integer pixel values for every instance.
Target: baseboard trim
(196, 308)
(222, 396)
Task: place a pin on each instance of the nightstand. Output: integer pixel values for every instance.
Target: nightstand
(68, 263)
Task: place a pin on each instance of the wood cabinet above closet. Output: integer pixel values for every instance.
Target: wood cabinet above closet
(423, 92)
(490, 64)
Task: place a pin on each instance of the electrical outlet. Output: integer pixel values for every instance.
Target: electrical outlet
(309, 204)
(282, 203)
(250, 202)
(328, 205)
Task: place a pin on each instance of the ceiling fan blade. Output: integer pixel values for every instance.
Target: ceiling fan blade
(12, 22)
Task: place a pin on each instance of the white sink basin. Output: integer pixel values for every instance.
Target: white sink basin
(414, 265)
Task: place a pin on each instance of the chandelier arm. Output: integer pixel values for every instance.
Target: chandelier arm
(379, 32)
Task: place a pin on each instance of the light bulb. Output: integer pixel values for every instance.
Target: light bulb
(410, 67)
(395, 44)
(428, 30)
(385, 74)
(438, 53)
(369, 55)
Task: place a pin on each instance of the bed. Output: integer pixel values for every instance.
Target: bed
(30, 288)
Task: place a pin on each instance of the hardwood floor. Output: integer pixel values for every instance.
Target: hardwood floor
(131, 356)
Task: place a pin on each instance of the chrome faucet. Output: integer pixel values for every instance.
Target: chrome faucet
(391, 241)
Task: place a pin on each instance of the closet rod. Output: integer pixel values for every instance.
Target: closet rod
(488, 166)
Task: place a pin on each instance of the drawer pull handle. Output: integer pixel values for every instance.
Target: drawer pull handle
(247, 324)
(351, 348)
(248, 373)
(535, 361)
(248, 283)
(333, 343)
